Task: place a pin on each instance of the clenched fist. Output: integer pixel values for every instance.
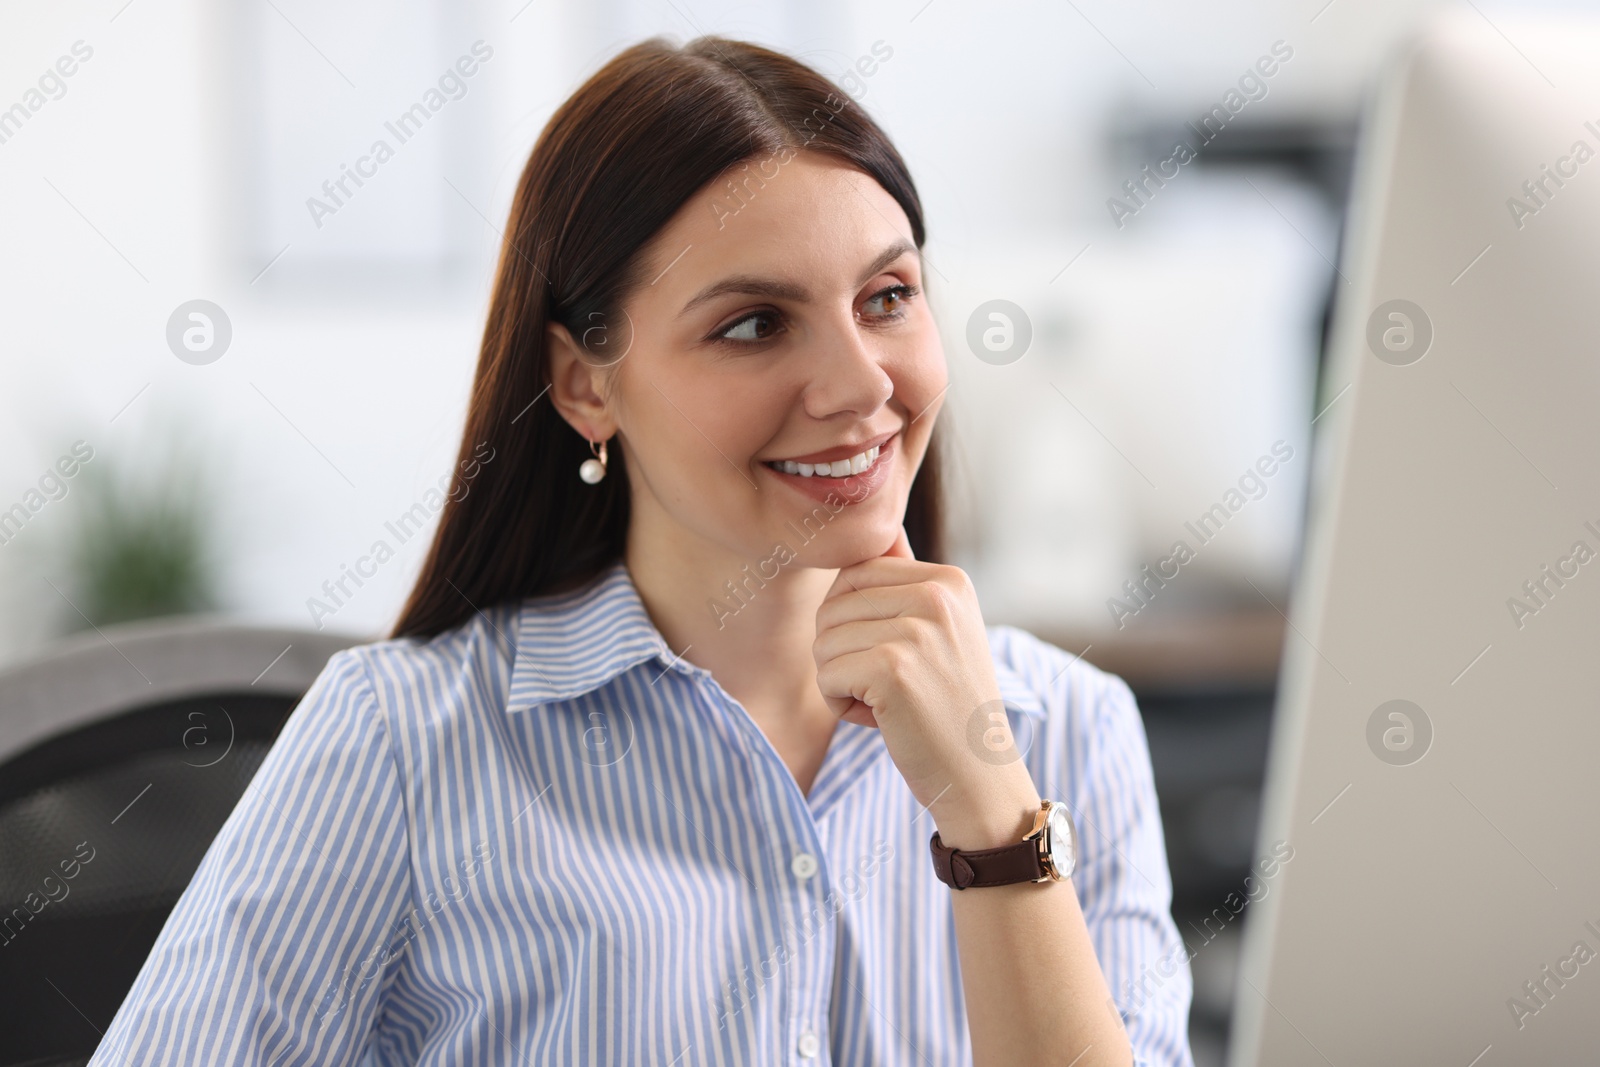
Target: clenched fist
(901, 646)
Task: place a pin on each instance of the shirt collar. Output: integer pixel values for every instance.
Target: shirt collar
(573, 643)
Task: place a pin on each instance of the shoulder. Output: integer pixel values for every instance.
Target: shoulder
(404, 674)
(405, 666)
(1090, 736)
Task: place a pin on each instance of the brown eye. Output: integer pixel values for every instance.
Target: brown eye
(746, 329)
(893, 299)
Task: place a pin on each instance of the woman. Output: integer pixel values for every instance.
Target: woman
(669, 751)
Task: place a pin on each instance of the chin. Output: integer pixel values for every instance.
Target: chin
(848, 539)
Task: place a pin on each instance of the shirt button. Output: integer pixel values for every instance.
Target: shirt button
(804, 865)
(808, 1044)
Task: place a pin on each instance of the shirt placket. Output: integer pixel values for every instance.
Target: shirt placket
(815, 936)
(797, 864)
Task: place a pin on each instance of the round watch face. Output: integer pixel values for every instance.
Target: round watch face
(1063, 840)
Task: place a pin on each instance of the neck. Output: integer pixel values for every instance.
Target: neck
(755, 641)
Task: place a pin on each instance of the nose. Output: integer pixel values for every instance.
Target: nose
(848, 376)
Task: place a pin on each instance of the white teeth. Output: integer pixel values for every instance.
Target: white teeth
(837, 469)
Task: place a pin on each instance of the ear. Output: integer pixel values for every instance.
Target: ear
(576, 386)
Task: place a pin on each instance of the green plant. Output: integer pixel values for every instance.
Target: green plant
(141, 545)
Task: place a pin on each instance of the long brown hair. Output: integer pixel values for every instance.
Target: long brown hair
(613, 165)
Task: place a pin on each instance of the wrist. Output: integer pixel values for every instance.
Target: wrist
(989, 818)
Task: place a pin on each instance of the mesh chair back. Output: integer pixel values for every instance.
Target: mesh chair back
(121, 755)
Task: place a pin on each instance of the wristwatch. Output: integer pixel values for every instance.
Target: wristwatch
(1048, 852)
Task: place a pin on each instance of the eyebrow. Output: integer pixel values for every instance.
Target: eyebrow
(753, 285)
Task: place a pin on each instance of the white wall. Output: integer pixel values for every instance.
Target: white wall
(1183, 338)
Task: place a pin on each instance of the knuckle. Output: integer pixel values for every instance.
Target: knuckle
(954, 579)
(907, 664)
(961, 579)
(937, 600)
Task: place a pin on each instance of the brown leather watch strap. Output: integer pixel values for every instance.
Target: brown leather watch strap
(1005, 865)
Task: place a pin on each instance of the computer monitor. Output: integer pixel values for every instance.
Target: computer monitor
(1434, 770)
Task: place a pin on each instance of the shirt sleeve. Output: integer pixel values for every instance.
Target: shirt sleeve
(279, 948)
(1125, 887)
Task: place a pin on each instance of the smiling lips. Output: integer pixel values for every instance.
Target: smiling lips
(839, 468)
(839, 462)
(823, 474)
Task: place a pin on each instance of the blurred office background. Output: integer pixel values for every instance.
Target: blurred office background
(1175, 339)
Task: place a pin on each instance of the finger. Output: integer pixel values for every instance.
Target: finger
(849, 678)
(880, 602)
(860, 714)
(892, 570)
(855, 586)
(857, 636)
(880, 571)
(839, 705)
(849, 709)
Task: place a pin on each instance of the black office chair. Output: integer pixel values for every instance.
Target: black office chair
(121, 754)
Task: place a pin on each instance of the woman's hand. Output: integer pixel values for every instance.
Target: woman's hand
(901, 646)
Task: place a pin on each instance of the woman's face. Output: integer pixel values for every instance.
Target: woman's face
(791, 326)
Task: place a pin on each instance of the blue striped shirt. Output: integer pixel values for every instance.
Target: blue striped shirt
(542, 838)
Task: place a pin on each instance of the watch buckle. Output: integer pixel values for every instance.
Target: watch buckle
(1041, 823)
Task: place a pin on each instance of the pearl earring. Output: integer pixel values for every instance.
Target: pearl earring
(593, 470)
